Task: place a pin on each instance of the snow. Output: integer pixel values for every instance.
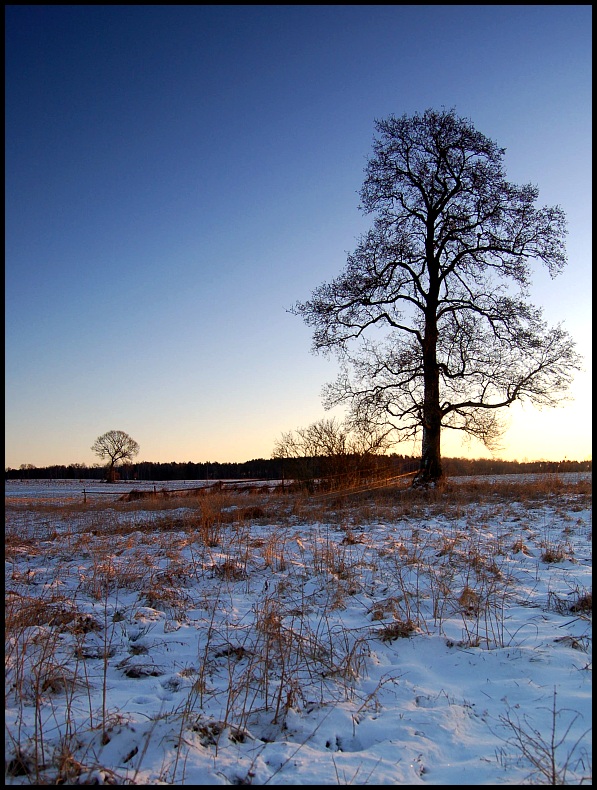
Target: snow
(318, 644)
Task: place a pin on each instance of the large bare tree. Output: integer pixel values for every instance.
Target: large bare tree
(117, 446)
(430, 317)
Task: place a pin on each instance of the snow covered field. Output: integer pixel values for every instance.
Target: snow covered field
(236, 638)
(73, 489)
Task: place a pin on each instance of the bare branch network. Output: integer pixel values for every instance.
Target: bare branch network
(430, 317)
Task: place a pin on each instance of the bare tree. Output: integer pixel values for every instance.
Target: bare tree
(117, 446)
(430, 317)
(332, 448)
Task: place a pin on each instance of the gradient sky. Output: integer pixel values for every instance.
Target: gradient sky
(177, 177)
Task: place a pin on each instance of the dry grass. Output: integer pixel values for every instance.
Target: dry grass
(159, 548)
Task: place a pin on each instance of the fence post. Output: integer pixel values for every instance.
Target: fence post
(84, 497)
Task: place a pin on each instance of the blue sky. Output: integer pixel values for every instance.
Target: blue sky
(178, 176)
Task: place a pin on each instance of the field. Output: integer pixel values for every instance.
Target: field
(251, 637)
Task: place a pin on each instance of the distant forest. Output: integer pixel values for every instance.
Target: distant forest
(287, 469)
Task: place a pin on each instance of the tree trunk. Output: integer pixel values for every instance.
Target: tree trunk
(431, 471)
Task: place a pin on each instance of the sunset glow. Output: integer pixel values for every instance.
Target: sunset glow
(177, 177)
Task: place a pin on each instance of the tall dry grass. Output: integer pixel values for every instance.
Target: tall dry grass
(288, 654)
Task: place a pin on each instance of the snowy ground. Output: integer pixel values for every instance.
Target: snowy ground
(261, 639)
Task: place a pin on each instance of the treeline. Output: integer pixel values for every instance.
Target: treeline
(257, 469)
(488, 466)
(287, 469)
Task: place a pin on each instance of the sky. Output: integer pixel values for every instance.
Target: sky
(177, 177)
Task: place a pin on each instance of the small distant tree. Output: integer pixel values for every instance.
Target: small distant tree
(117, 446)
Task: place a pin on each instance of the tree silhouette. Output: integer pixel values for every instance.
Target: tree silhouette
(117, 446)
(430, 317)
